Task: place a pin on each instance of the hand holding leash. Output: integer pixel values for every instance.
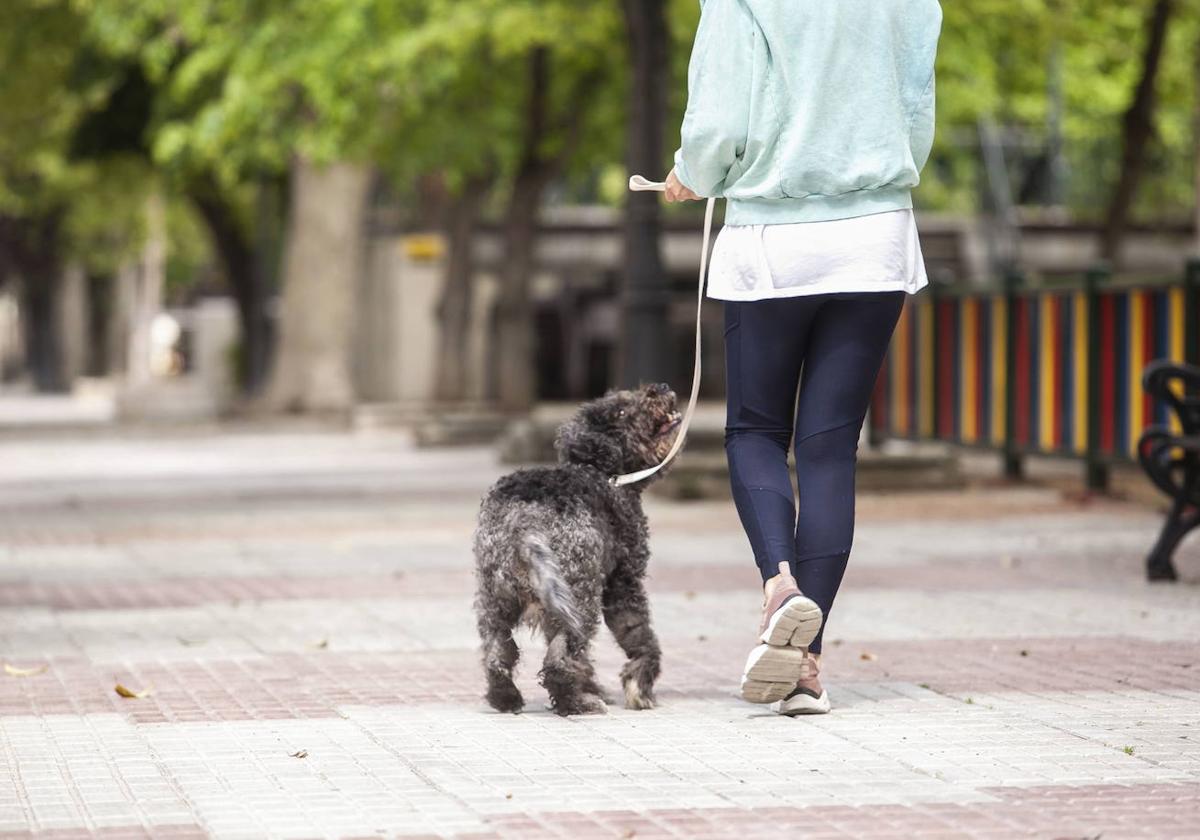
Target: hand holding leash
(673, 187)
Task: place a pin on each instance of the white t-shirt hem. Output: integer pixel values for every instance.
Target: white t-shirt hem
(831, 287)
(876, 253)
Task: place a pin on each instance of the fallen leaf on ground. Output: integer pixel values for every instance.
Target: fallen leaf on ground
(690, 595)
(14, 671)
(191, 642)
(130, 693)
(868, 657)
(508, 796)
(299, 754)
(320, 645)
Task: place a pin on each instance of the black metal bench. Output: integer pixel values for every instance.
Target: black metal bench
(1172, 458)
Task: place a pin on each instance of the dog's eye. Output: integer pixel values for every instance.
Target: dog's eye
(621, 413)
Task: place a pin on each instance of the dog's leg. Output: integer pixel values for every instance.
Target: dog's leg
(500, 655)
(627, 614)
(567, 676)
(591, 685)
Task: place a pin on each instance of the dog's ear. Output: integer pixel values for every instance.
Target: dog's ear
(578, 442)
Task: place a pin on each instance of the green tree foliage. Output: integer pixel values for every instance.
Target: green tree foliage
(995, 60)
(102, 101)
(60, 201)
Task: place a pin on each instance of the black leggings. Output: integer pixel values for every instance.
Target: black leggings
(839, 340)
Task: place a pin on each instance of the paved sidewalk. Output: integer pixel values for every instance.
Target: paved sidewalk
(297, 609)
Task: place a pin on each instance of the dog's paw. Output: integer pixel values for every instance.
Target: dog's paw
(592, 704)
(506, 700)
(585, 704)
(637, 699)
(595, 689)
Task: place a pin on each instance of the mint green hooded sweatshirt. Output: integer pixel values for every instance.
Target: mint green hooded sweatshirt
(809, 110)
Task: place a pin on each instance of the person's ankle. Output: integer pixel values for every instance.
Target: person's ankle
(784, 578)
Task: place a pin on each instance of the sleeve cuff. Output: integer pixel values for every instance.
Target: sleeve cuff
(682, 174)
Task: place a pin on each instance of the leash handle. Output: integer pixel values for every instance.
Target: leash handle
(639, 184)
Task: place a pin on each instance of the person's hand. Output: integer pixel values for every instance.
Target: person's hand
(676, 191)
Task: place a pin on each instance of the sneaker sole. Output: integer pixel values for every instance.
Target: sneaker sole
(795, 624)
(771, 673)
(802, 704)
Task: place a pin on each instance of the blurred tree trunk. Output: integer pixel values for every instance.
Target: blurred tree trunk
(32, 248)
(645, 341)
(101, 315)
(322, 260)
(1137, 132)
(516, 341)
(43, 338)
(248, 271)
(454, 308)
(515, 336)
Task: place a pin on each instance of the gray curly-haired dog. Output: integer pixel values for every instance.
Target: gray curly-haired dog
(559, 546)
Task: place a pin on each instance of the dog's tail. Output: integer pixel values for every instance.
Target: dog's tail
(546, 577)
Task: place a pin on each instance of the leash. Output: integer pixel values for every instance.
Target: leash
(639, 184)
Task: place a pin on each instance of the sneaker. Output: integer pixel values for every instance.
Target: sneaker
(771, 672)
(789, 618)
(808, 697)
(790, 622)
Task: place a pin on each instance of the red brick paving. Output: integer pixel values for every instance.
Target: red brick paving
(193, 591)
(159, 832)
(315, 684)
(1030, 664)
(112, 594)
(1157, 811)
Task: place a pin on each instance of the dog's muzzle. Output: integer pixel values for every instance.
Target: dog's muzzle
(670, 424)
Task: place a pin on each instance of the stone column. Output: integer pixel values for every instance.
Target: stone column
(73, 322)
(144, 289)
(10, 335)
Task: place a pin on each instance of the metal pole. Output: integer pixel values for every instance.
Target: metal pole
(1191, 318)
(1014, 464)
(645, 353)
(935, 295)
(1095, 470)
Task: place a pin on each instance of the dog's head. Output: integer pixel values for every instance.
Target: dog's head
(622, 432)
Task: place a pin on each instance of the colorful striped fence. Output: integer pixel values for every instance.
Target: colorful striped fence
(1056, 372)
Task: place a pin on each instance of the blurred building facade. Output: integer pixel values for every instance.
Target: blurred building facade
(577, 311)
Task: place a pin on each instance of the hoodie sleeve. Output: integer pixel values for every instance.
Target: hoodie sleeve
(716, 122)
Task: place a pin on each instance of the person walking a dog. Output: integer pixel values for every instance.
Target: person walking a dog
(813, 120)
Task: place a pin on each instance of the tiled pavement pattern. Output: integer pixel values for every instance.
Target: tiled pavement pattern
(298, 607)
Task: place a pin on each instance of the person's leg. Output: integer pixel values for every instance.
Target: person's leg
(845, 349)
(764, 351)
(764, 343)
